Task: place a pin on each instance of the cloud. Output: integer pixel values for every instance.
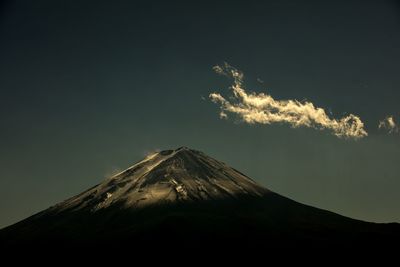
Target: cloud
(389, 124)
(264, 109)
(148, 152)
(112, 171)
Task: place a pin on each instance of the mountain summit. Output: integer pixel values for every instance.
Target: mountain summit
(180, 175)
(183, 194)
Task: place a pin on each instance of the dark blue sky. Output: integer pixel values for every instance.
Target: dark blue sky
(90, 87)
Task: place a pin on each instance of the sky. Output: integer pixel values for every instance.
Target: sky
(87, 88)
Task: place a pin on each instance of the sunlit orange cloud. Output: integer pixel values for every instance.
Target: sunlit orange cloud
(389, 124)
(264, 109)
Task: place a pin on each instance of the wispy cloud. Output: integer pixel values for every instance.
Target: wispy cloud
(389, 124)
(149, 152)
(264, 109)
(112, 171)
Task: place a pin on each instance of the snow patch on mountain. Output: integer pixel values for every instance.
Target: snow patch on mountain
(180, 175)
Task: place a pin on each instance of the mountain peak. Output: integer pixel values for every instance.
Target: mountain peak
(175, 175)
(175, 151)
(183, 148)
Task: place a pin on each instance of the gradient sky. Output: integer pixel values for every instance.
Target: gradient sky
(90, 87)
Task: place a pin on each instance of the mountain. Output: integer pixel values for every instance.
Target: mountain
(170, 176)
(184, 196)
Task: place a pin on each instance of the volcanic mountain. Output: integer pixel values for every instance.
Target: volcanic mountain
(183, 194)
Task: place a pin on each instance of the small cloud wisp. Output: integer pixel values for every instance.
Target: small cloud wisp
(389, 124)
(264, 109)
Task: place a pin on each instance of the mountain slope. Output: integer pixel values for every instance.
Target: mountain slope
(183, 194)
(180, 175)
